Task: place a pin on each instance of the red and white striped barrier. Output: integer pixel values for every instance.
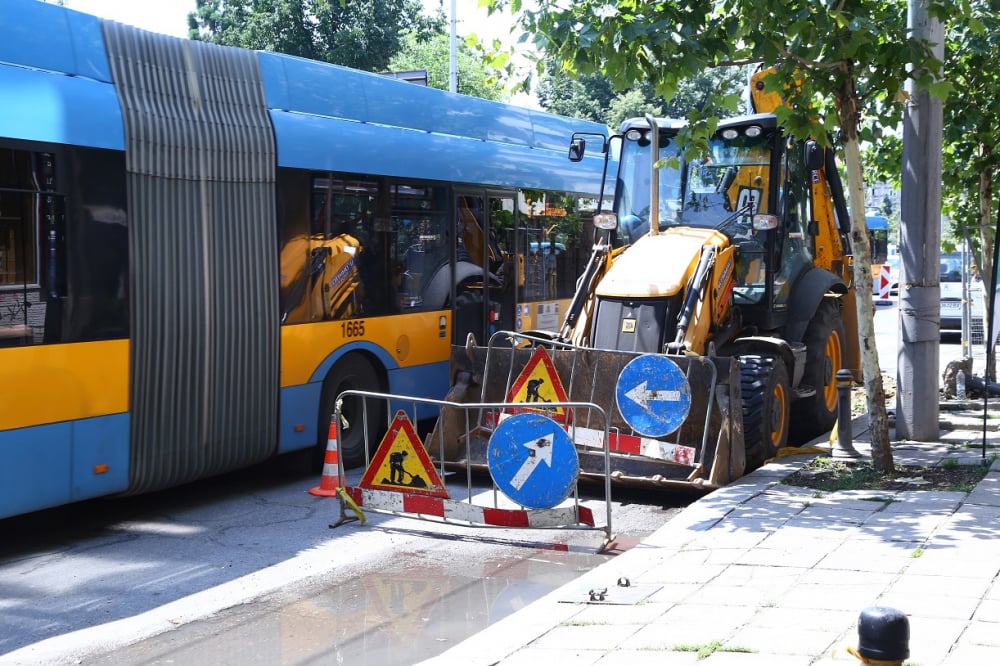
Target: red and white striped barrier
(636, 445)
(620, 443)
(884, 283)
(423, 505)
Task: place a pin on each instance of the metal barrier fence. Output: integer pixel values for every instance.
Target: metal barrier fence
(533, 488)
(591, 378)
(669, 417)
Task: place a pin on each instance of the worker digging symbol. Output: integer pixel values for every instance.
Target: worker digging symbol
(533, 395)
(537, 383)
(401, 448)
(397, 475)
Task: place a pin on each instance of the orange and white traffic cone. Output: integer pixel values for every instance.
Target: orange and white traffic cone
(330, 480)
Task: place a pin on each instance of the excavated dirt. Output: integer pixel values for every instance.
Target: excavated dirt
(859, 403)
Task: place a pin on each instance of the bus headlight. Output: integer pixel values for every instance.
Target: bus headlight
(605, 221)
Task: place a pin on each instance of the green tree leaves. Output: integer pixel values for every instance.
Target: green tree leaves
(363, 34)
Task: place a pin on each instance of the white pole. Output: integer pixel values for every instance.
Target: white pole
(453, 58)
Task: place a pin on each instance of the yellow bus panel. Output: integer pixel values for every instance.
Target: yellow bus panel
(58, 383)
(409, 339)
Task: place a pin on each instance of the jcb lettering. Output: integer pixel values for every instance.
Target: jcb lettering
(353, 328)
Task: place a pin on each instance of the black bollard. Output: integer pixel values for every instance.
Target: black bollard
(883, 636)
(845, 437)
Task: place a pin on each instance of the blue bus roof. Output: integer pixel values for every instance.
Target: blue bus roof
(324, 116)
(877, 222)
(59, 92)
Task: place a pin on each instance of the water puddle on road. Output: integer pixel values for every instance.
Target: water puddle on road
(398, 615)
(405, 616)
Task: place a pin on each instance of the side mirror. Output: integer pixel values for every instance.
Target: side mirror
(576, 149)
(813, 155)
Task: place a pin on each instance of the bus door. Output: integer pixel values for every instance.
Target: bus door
(546, 272)
(484, 287)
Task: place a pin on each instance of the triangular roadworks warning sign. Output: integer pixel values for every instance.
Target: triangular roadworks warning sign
(539, 383)
(401, 464)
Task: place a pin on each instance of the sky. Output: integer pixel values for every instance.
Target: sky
(170, 16)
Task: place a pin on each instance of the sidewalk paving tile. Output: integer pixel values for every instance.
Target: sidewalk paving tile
(987, 491)
(722, 658)
(937, 606)
(831, 514)
(903, 527)
(809, 641)
(671, 593)
(777, 617)
(531, 656)
(951, 562)
(970, 655)
(984, 634)
(829, 596)
(669, 636)
(648, 658)
(921, 500)
(834, 531)
(870, 555)
(717, 538)
(836, 499)
(586, 636)
(937, 586)
(782, 555)
(749, 586)
(620, 613)
(931, 639)
(696, 573)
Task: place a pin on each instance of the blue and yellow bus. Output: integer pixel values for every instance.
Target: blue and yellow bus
(201, 247)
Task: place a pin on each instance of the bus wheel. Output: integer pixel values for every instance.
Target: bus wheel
(352, 373)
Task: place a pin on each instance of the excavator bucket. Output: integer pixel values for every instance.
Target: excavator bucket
(704, 452)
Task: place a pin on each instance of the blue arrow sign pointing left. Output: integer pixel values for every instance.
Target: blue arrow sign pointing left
(653, 395)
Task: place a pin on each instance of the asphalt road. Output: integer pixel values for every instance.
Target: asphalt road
(249, 559)
(887, 343)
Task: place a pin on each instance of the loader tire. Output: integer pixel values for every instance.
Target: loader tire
(824, 341)
(353, 372)
(765, 392)
(469, 315)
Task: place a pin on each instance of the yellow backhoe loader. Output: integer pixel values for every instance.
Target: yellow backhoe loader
(735, 267)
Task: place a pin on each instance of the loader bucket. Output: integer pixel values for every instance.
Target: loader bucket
(705, 452)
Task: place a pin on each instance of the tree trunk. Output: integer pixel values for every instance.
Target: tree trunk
(986, 269)
(878, 420)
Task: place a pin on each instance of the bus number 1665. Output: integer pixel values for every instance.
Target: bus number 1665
(354, 328)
